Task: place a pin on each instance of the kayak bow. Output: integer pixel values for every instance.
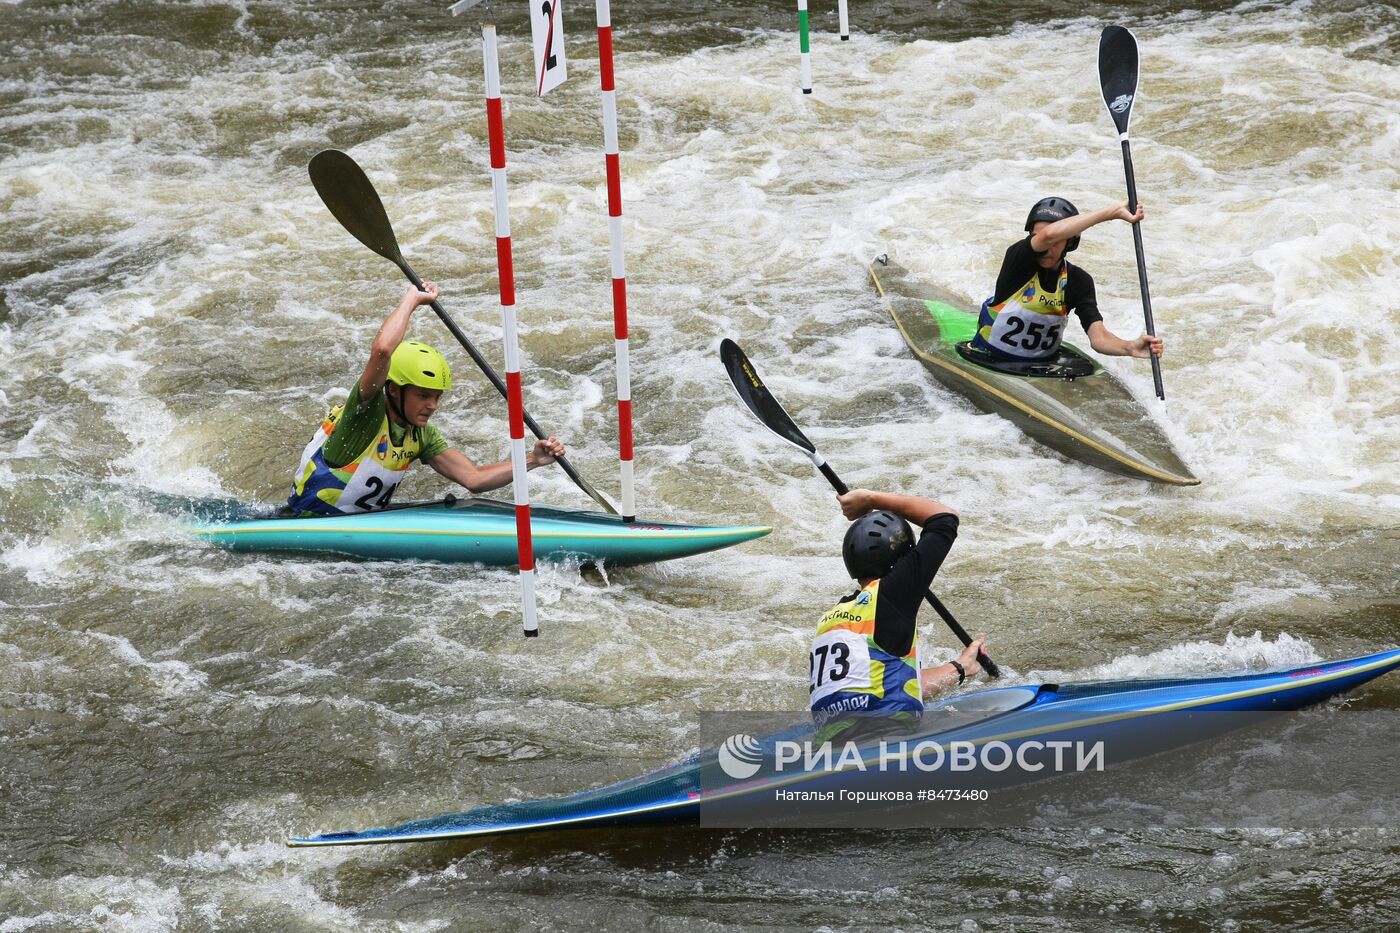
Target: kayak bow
(1090, 417)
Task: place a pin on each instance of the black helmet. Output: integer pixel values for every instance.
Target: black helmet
(874, 542)
(1053, 209)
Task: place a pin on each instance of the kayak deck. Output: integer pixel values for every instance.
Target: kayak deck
(475, 530)
(1092, 418)
(674, 794)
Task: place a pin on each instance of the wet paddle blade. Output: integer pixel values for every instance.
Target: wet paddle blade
(347, 192)
(1118, 74)
(755, 395)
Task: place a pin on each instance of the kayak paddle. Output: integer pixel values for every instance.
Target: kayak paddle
(350, 196)
(767, 409)
(1118, 79)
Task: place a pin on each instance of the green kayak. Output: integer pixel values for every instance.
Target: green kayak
(473, 531)
(1070, 404)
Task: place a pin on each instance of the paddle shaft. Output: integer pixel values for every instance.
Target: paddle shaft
(490, 373)
(1142, 267)
(987, 664)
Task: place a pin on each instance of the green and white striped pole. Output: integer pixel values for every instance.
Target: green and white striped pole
(805, 42)
(845, 21)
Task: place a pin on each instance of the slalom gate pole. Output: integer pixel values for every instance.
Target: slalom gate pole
(619, 272)
(515, 406)
(805, 43)
(845, 21)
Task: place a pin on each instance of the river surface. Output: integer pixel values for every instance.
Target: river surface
(177, 309)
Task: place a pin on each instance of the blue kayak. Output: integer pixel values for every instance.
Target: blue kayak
(1139, 708)
(474, 531)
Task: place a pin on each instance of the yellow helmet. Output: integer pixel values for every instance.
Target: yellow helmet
(417, 364)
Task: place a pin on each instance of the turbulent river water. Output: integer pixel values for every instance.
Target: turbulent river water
(177, 309)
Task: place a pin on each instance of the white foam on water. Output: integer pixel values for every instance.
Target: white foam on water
(40, 562)
(246, 859)
(1253, 652)
(1248, 600)
(103, 904)
(299, 896)
(173, 677)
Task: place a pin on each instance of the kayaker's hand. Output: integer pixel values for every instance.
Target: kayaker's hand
(1144, 345)
(544, 452)
(1123, 213)
(424, 296)
(968, 658)
(856, 503)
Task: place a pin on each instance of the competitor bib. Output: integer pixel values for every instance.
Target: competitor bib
(840, 660)
(1028, 325)
(1026, 334)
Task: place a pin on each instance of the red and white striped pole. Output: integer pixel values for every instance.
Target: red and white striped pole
(619, 272)
(495, 126)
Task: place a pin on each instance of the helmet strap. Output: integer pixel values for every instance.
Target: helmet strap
(395, 406)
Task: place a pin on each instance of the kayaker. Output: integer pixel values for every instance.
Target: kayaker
(864, 661)
(364, 448)
(1037, 288)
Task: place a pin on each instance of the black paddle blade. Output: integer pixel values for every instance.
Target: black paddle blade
(347, 191)
(754, 394)
(1118, 74)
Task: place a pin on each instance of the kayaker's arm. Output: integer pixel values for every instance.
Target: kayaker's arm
(1108, 343)
(903, 588)
(934, 680)
(1061, 230)
(391, 334)
(916, 510)
(462, 470)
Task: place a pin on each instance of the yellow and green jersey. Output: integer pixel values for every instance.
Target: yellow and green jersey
(358, 458)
